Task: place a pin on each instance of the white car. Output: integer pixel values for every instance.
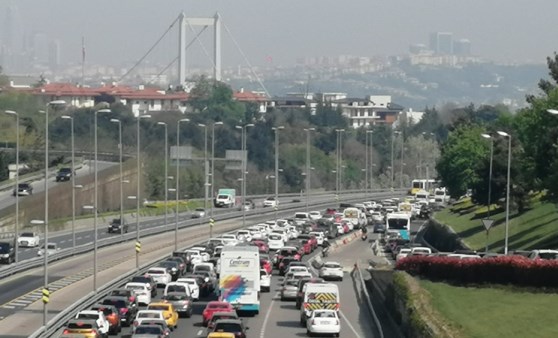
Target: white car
(160, 275)
(281, 232)
(297, 269)
(377, 217)
(291, 230)
(243, 235)
(195, 256)
(340, 229)
(323, 321)
(51, 247)
(229, 239)
(319, 236)
(331, 270)
(315, 215)
(270, 202)
(255, 232)
(265, 281)
(404, 252)
(97, 316)
(194, 287)
(183, 288)
(205, 256)
(28, 240)
(142, 293)
(147, 315)
(420, 251)
(264, 228)
(275, 242)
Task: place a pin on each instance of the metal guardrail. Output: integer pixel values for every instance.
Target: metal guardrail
(368, 301)
(65, 253)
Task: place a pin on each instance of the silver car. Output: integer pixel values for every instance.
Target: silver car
(198, 213)
(289, 289)
(181, 303)
(331, 270)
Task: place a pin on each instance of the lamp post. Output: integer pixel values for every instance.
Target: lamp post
(11, 112)
(138, 244)
(368, 159)
(219, 123)
(489, 137)
(96, 204)
(395, 132)
(205, 166)
(121, 178)
(506, 243)
(308, 130)
(67, 117)
(339, 160)
(177, 180)
(166, 169)
(244, 165)
(276, 129)
(402, 161)
(45, 221)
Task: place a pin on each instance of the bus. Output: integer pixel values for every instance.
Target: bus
(421, 184)
(399, 222)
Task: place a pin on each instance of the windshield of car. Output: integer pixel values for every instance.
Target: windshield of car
(332, 266)
(155, 272)
(548, 255)
(105, 310)
(176, 288)
(222, 197)
(324, 314)
(149, 314)
(301, 216)
(158, 307)
(27, 234)
(65, 170)
(291, 282)
(4, 248)
(156, 330)
(275, 237)
(141, 279)
(116, 303)
(175, 297)
(200, 209)
(135, 287)
(80, 325)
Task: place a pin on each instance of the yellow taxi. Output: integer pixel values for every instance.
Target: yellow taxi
(220, 335)
(169, 313)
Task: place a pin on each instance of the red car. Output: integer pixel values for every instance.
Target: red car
(313, 242)
(262, 246)
(305, 247)
(266, 265)
(284, 252)
(215, 306)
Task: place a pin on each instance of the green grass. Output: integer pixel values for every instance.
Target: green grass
(495, 312)
(536, 228)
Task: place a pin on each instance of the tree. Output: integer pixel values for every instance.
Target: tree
(4, 80)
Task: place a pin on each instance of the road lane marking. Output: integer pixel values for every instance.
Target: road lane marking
(268, 313)
(349, 324)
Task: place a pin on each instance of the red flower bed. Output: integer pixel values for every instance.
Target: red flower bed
(516, 270)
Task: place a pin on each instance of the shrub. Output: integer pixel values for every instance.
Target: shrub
(515, 270)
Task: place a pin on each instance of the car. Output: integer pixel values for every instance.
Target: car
(85, 328)
(194, 287)
(153, 321)
(289, 289)
(126, 309)
(283, 252)
(7, 252)
(422, 251)
(379, 228)
(220, 316)
(160, 275)
(323, 321)
(331, 270)
(296, 268)
(270, 202)
(275, 241)
(215, 306)
(128, 293)
(263, 248)
(306, 247)
(116, 226)
(265, 280)
(235, 326)
(28, 240)
(172, 267)
(283, 264)
(248, 205)
(141, 291)
(146, 315)
(315, 215)
(64, 174)
(244, 235)
(23, 189)
(149, 331)
(543, 254)
(198, 213)
(183, 288)
(230, 239)
(182, 266)
(205, 288)
(112, 316)
(266, 265)
(51, 247)
(403, 252)
(147, 280)
(169, 312)
(320, 238)
(300, 287)
(182, 303)
(97, 316)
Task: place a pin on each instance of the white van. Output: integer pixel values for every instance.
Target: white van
(318, 296)
(354, 215)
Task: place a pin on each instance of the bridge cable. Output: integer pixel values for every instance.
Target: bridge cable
(201, 43)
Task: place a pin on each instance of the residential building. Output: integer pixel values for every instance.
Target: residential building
(369, 111)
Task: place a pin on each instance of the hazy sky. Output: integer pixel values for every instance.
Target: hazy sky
(122, 30)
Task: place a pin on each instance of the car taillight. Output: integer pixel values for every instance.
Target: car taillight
(66, 332)
(305, 305)
(94, 332)
(123, 310)
(336, 322)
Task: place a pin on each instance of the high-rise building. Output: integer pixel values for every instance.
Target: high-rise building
(441, 42)
(54, 55)
(462, 47)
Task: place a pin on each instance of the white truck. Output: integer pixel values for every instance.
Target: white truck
(239, 278)
(226, 198)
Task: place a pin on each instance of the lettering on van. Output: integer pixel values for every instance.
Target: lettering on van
(239, 263)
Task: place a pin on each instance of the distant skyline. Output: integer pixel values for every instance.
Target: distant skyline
(280, 32)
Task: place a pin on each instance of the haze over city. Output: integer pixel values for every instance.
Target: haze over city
(280, 32)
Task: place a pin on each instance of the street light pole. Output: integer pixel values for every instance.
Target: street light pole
(402, 161)
(121, 178)
(166, 169)
(67, 117)
(45, 308)
(219, 123)
(138, 244)
(276, 129)
(489, 137)
(371, 151)
(506, 243)
(11, 112)
(205, 166)
(392, 167)
(339, 176)
(308, 183)
(244, 166)
(177, 179)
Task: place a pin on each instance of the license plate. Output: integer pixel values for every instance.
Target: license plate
(324, 322)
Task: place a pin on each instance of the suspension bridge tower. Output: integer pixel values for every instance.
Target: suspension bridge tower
(184, 22)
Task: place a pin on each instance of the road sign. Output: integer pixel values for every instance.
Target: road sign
(211, 222)
(46, 296)
(138, 247)
(487, 223)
